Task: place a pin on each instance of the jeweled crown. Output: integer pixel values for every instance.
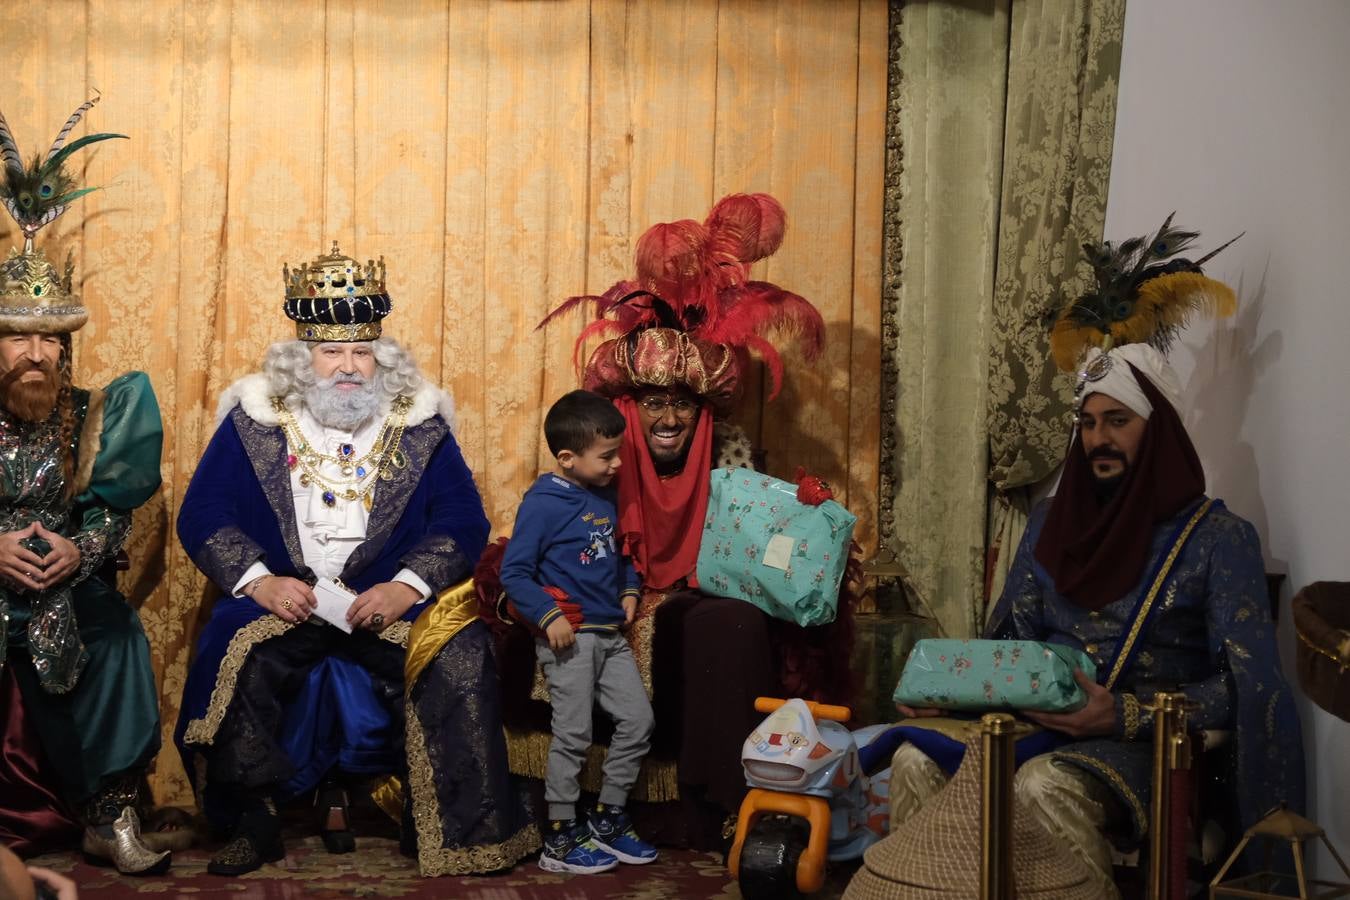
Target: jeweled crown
(336, 298)
(36, 297)
(334, 276)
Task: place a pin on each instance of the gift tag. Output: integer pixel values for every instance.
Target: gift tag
(778, 553)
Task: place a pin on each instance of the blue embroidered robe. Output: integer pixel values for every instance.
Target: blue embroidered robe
(429, 518)
(1210, 637)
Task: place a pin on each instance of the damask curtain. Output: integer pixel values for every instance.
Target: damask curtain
(1001, 123)
(500, 156)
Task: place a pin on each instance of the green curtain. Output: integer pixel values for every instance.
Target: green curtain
(1000, 130)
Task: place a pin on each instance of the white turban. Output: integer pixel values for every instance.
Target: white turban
(1119, 382)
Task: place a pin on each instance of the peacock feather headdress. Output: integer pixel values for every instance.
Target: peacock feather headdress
(1143, 291)
(34, 295)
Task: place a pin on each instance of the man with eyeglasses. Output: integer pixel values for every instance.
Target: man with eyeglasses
(685, 327)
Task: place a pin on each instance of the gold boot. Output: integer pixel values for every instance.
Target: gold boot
(125, 849)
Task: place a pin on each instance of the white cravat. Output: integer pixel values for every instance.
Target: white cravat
(329, 534)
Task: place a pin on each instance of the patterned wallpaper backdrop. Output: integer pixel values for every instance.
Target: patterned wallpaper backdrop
(501, 156)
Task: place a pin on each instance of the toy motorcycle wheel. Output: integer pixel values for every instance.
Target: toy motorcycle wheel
(769, 858)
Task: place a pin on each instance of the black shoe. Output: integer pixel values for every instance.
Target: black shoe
(257, 840)
(334, 820)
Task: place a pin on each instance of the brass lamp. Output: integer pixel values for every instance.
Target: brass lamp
(1293, 829)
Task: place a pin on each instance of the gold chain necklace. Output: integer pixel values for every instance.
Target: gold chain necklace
(386, 453)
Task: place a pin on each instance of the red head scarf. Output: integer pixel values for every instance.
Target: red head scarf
(661, 519)
(1096, 553)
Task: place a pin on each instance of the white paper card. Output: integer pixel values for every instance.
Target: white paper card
(778, 554)
(334, 601)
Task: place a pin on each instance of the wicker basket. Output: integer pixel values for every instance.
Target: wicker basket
(1322, 620)
(936, 854)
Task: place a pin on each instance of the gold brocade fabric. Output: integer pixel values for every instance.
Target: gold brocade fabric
(260, 132)
(1000, 122)
(1061, 123)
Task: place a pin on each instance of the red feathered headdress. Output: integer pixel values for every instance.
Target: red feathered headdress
(694, 279)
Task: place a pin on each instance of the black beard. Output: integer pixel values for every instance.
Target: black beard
(1107, 488)
(672, 466)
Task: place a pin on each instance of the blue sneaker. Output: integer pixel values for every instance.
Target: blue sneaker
(568, 847)
(612, 830)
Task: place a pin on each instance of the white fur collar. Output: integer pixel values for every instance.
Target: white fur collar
(251, 392)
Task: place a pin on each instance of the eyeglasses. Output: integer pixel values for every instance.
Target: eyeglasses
(657, 406)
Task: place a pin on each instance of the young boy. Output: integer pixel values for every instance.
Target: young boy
(564, 551)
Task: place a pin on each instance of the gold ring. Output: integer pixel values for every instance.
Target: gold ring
(287, 605)
(377, 620)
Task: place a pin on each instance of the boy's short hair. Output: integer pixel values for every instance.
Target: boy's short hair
(578, 419)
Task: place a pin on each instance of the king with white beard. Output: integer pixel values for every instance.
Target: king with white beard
(337, 465)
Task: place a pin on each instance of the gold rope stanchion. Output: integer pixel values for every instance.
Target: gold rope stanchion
(996, 807)
(1171, 752)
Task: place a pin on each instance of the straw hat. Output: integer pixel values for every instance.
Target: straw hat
(937, 852)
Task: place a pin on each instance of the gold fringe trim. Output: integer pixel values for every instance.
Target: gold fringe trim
(1158, 582)
(203, 730)
(1129, 705)
(432, 858)
(1111, 775)
(527, 752)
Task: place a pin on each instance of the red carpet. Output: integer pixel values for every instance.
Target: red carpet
(377, 869)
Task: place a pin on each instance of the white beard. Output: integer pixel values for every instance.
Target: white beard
(346, 410)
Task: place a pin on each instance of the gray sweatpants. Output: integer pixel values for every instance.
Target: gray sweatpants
(599, 665)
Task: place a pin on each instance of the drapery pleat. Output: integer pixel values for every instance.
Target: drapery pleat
(1000, 132)
(500, 156)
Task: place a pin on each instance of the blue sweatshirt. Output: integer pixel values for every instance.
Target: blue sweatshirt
(565, 537)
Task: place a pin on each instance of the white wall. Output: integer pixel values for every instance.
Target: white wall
(1236, 114)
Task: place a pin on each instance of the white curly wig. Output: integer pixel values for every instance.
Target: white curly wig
(289, 370)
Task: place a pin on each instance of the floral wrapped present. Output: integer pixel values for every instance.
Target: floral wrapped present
(762, 545)
(982, 675)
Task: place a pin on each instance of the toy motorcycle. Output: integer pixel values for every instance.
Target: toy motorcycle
(810, 801)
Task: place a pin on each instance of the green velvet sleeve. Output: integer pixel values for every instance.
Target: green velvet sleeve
(125, 471)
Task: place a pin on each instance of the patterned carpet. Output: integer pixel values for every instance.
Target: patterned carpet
(377, 869)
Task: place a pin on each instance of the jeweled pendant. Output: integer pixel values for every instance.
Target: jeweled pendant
(386, 475)
(349, 495)
(311, 460)
(329, 499)
(292, 460)
(397, 459)
(304, 479)
(347, 471)
(360, 471)
(346, 450)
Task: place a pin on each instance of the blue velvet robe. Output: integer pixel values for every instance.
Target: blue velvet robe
(429, 518)
(1211, 638)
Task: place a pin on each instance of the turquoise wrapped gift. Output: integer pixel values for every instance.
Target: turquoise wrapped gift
(980, 675)
(761, 545)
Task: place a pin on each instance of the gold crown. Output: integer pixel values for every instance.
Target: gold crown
(334, 277)
(35, 297)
